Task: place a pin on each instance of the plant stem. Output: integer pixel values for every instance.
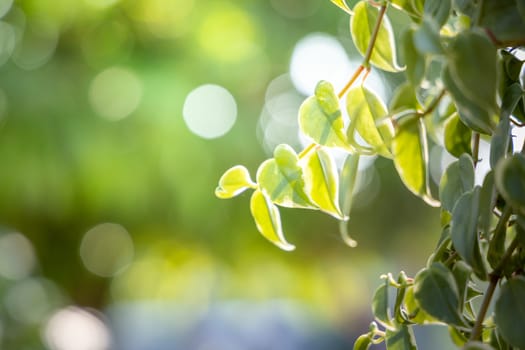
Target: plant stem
(475, 148)
(478, 326)
(354, 77)
(432, 105)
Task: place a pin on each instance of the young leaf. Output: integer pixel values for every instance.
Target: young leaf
(458, 137)
(438, 10)
(510, 181)
(415, 62)
(457, 179)
(320, 118)
(365, 109)
(361, 27)
(400, 339)
(281, 178)
(363, 342)
(411, 158)
(474, 115)
(322, 182)
(472, 52)
(436, 292)
(464, 231)
(510, 312)
(268, 220)
(342, 5)
(380, 305)
(234, 181)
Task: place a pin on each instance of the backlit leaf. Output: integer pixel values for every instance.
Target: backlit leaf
(361, 27)
(281, 178)
(457, 179)
(322, 181)
(464, 231)
(234, 181)
(415, 313)
(342, 5)
(458, 137)
(409, 7)
(365, 110)
(268, 220)
(363, 342)
(437, 293)
(411, 158)
(320, 118)
(473, 114)
(348, 180)
(380, 305)
(400, 339)
(510, 181)
(510, 312)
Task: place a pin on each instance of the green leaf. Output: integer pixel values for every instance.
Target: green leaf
(464, 231)
(415, 62)
(436, 292)
(268, 220)
(457, 180)
(510, 312)
(234, 181)
(458, 137)
(404, 99)
(400, 339)
(342, 5)
(361, 27)
(365, 109)
(499, 143)
(415, 313)
(477, 345)
(322, 182)
(487, 201)
(426, 38)
(281, 178)
(504, 21)
(320, 118)
(438, 10)
(409, 7)
(411, 158)
(380, 305)
(363, 342)
(462, 272)
(472, 52)
(346, 194)
(474, 115)
(510, 181)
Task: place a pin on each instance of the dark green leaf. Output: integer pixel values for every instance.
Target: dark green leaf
(499, 143)
(380, 305)
(400, 339)
(474, 115)
(320, 118)
(462, 273)
(472, 52)
(415, 62)
(504, 21)
(437, 293)
(281, 178)
(464, 231)
(458, 136)
(438, 10)
(411, 158)
(457, 180)
(268, 220)
(362, 26)
(510, 181)
(510, 312)
(487, 201)
(426, 38)
(415, 313)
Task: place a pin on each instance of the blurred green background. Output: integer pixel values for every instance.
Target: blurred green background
(117, 118)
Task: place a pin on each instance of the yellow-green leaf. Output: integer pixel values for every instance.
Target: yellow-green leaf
(234, 181)
(411, 158)
(361, 27)
(366, 110)
(342, 5)
(268, 220)
(281, 178)
(322, 181)
(320, 118)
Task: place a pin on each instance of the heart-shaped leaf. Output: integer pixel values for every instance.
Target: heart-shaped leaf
(510, 181)
(362, 25)
(457, 179)
(458, 137)
(510, 312)
(268, 220)
(234, 181)
(401, 339)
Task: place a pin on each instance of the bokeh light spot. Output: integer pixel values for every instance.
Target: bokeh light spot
(107, 249)
(76, 329)
(17, 258)
(210, 111)
(5, 6)
(7, 41)
(37, 45)
(115, 93)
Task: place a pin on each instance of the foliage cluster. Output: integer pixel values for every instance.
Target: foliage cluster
(464, 82)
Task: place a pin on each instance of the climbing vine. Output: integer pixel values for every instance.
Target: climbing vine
(464, 81)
